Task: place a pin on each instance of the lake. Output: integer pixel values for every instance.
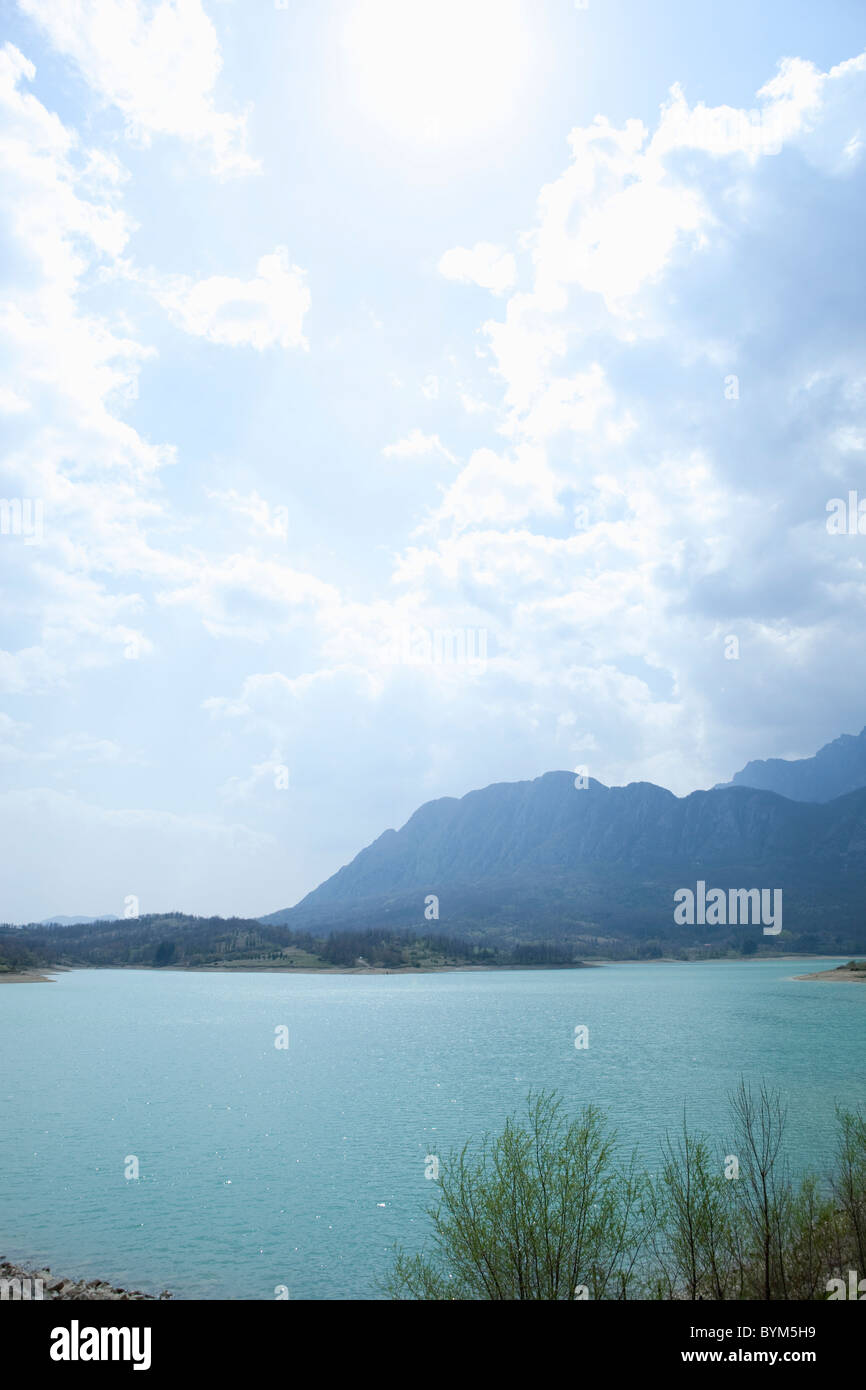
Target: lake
(302, 1166)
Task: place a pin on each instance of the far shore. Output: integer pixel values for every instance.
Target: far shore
(24, 977)
(37, 977)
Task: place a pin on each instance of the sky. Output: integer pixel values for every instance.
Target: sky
(400, 396)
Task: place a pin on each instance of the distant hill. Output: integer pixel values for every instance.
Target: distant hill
(837, 768)
(178, 940)
(76, 921)
(542, 858)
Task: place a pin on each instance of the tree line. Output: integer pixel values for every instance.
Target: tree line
(179, 939)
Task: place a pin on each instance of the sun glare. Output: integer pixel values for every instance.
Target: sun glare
(438, 71)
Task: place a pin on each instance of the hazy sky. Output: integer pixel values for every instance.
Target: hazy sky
(331, 325)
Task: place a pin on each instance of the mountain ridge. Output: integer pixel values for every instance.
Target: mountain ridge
(837, 768)
(77, 921)
(563, 859)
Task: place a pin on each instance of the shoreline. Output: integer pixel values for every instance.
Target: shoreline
(38, 977)
(838, 976)
(70, 1290)
(26, 977)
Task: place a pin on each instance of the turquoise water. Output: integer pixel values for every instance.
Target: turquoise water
(302, 1167)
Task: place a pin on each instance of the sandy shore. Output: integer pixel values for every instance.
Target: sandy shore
(27, 977)
(835, 976)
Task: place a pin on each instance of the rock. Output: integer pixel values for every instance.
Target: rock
(87, 1290)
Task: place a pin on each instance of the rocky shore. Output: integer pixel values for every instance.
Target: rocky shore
(18, 1283)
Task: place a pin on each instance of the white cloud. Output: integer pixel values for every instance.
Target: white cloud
(473, 405)
(60, 208)
(573, 404)
(69, 749)
(655, 274)
(485, 264)
(29, 669)
(11, 403)
(246, 597)
(157, 63)
(72, 450)
(501, 489)
(263, 517)
(418, 445)
(270, 776)
(267, 311)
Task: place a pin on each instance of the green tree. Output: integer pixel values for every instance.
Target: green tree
(764, 1187)
(694, 1236)
(164, 953)
(849, 1181)
(540, 1211)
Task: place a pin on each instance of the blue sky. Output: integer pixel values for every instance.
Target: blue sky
(331, 327)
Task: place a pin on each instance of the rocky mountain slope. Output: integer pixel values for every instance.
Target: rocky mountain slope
(544, 856)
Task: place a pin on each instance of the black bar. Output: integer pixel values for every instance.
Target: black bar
(243, 1337)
